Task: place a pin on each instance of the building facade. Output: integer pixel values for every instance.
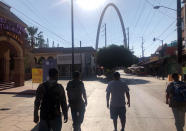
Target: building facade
(84, 59)
(12, 41)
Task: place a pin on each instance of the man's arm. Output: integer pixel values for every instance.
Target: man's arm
(128, 98)
(108, 90)
(107, 98)
(167, 98)
(64, 105)
(84, 94)
(127, 94)
(37, 103)
(168, 90)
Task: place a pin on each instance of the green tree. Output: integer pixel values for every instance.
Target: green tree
(32, 32)
(40, 40)
(115, 56)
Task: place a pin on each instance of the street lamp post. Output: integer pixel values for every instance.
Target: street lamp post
(159, 6)
(179, 28)
(72, 27)
(159, 40)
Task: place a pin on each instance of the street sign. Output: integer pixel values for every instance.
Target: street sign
(37, 75)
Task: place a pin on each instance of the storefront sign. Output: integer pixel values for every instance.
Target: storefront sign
(14, 36)
(7, 25)
(37, 75)
(67, 59)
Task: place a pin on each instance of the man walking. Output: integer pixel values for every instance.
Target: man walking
(176, 98)
(117, 89)
(50, 96)
(77, 100)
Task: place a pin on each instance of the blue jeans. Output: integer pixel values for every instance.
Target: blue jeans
(77, 117)
(50, 125)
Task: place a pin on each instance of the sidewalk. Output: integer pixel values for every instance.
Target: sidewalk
(27, 89)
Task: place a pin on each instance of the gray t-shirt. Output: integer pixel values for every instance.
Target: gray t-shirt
(117, 88)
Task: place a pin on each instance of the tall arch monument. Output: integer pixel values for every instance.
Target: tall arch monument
(121, 21)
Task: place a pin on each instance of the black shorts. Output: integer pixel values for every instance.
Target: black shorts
(118, 111)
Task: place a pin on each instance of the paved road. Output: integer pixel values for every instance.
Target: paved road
(148, 111)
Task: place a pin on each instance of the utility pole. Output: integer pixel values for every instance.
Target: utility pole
(53, 45)
(128, 37)
(72, 27)
(142, 47)
(179, 31)
(105, 35)
(47, 43)
(80, 56)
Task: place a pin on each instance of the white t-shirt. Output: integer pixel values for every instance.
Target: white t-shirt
(117, 88)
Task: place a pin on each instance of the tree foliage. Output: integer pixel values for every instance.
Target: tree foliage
(32, 31)
(115, 56)
(35, 39)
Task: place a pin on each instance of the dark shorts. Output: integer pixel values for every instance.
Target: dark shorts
(47, 125)
(117, 111)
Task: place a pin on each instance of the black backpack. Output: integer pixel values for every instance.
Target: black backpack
(179, 92)
(50, 106)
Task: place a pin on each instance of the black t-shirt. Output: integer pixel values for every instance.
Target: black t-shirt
(75, 90)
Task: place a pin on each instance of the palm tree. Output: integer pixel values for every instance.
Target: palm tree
(32, 31)
(40, 40)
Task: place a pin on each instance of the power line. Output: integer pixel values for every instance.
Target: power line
(30, 9)
(148, 24)
(41, 25)
(169, 35)
(35, 9)
(166, 29)
(142, 10)
(142, 48)
(149, 3)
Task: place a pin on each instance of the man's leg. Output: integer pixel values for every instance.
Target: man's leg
(56, 124)
(81, 117)
(122, 116)
(114, 116)
(115, 124)
(179, 115)
(43, 125)
(74, 119)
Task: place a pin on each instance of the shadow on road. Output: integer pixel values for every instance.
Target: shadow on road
(128, 81)
(103, 80)
(26, 93)
(135, 81)
(22, 95)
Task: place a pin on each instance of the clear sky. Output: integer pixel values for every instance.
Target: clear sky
(138, 15)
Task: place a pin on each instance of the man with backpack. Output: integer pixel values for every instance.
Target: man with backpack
(176, 98)
(50, 96)
(77, 100)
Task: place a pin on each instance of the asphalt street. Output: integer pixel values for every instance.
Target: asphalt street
(148, 111)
